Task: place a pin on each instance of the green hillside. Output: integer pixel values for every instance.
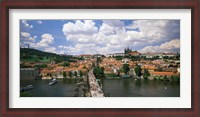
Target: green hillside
(33, 55)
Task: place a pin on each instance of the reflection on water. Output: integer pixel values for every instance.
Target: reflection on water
(140, 88)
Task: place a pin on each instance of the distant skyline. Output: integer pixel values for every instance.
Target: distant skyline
(76, 37)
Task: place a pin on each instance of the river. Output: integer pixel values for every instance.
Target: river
(64, 88)
(140, 88)
(113, 87)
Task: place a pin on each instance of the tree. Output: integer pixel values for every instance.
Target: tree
(75, 73)
(159, 69)
(118, 57)
(165, 78)
(99, 59)
(93, 64)
(146, 74)
(48, 74)
(138, 70)
(98, 72)
(40, 66)
(81, 73)
(172, 78)
(118, 73)
(176, 79)
(64, 74)
(70, 74)
(178, 56)
(135, 58)
(126, 68)
(84, 67)
(66, 64)
(25, 94)
(156, 57)
(102, 70)
(165, 57)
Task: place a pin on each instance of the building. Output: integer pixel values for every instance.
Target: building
(125, 61)
(170, 54)
(159, 55)
(86, 56)
(134, 53)
(162, 74)
(149, 67)
(149, 55)
(29, 73)
(114, 55)
(97, 55)
(127, 50)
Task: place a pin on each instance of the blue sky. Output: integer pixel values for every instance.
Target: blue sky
(76, 37)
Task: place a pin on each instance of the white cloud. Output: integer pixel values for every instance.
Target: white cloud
(113, 35)
(50, 49)
(87, 28)
(31, 26)
(170, 46)
(26, 24)
(60, 46)
(46, 39)
(27, 37)
(173, 44)
(106, 29)
(43, 44)
(39, 22)
(77, 49)
(112, 27)
(109, 32)
(153, 31)
(114, 23)
(90, 48)
(80, 31)
(109, 36)
(25, 34)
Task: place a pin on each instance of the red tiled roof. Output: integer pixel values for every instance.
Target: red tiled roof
(149, 67)
(134, 53)
(164, 73)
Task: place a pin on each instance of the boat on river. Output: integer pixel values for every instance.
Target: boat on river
(53, 81)
(26, 88)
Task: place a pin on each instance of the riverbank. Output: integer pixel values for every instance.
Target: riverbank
(171, 79)
(75, 77)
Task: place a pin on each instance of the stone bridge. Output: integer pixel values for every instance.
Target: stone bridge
(95, 89)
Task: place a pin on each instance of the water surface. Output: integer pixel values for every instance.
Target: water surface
(64, 88)
(140, 88)
(113, 87)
